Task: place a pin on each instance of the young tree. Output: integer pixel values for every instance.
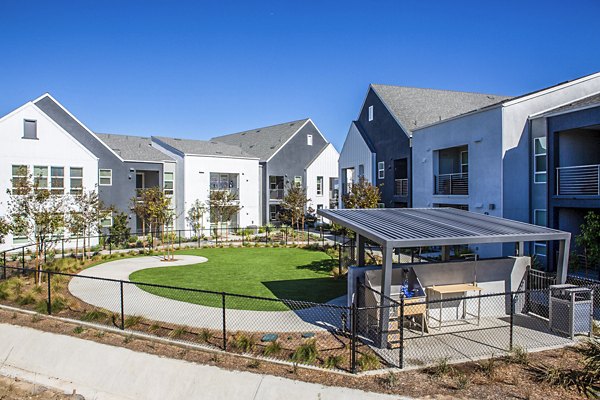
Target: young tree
(4, 228)
(37, 213)
(154, 207)
(119, 231)
(91, 211)
(75, 225)
(195, 217)
(589, 238)
(294, 205)
(223, 206)
(362, 195)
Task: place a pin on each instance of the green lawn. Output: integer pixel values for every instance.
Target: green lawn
(275, 273)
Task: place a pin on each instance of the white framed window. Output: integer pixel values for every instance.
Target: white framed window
(539, 160)
(57, 180)
(76, 180)
(40, 177)
(540, 249)
(105, 177)
(361, 170)
(19, 178)
(29, 129)
(169, 183)
(309, 140)
(319, 186)
(381, 169)
(464, 162)
(540, 217)
(370, 113)
(298, 181)
(107, 221)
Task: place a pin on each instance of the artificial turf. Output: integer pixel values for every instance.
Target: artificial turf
(274, 273)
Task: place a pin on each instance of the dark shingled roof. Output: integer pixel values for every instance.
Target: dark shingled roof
(416, 107)
(204, 147)
(263, 142)
(133, 148)
(586, 101)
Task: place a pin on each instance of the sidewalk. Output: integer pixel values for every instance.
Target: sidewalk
(103, 372)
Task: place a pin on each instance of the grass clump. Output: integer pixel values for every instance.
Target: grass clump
(519, 355)
(390, 381)
(243, 342)
(254, 364)
(441, 368)
(368, 362)
(78, 329)
(178, 332)
(94, 315)
(334, 361)
(273, 348)
(132, 320)
(489, 366)
(205, 335)
(306, 352)
(462, 381)
(27, 299)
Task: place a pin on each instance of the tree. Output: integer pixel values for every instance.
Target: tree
(589, 238)
(294, 205)
(75, 225)
(91, 211)
(37, 213)
(223, 206)
(362, 195)
(4, 228)
(154, 207)
(119, 231)
(195, 217)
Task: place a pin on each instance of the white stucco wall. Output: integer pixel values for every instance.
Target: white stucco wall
(354, 153)
(53, 148)
(325, 165)
(196, 175)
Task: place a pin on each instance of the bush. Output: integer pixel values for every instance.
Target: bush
(306, 352)
(333, 361)
(94, 315)
(26, 299)
(273, 348)
(205, 335)
(242, 342)
(368, 362)
(178, 332)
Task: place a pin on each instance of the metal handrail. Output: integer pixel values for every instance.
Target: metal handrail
(452, 184)
(401, 187)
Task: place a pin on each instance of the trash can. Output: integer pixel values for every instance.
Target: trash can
(571, 309)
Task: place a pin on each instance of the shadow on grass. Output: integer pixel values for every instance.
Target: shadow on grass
(316, 290)
(320, 266)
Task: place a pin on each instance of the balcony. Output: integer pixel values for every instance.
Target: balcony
(582, 180)
(452, 184)
(401, 187)
(276, 194)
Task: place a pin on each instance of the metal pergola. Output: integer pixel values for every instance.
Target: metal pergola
(421, 227)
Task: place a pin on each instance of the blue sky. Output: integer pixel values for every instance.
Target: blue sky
(202, 69)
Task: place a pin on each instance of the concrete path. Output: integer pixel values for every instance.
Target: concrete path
(103, 372)
(139, 302)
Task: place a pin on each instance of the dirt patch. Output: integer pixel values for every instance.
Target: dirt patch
(500, 379)
(14, 389)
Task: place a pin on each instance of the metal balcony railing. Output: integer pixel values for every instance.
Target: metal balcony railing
(276, 194)
(453, 184)
(579, 180)
(401, 187)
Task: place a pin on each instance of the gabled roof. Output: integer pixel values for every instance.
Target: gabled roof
(417, 107)
(203, 147)
(133, 148)
(586, 102)
(263, 142)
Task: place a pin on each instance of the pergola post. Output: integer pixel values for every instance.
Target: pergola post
(386, 286)
(521, 249)
(360, 250)
(563, 260)
(445, 253)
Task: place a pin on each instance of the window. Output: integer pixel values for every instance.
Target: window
(76, 176)
(223, 181)
(19, 178)
(539, 164)
(29, 129)
(40, 177)
(361, 170)
(298, 181)
(309, 140)
(107, 221)
(319, 186)
(540, 217)
(381, 170)
(539, 249)
(380, 205)
(169, 184)
(105, 177)
(57, 180)
(464, 162)
(370, 113)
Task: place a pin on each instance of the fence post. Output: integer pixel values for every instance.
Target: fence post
(122, 308)
(4, 265)
(63, 247)
(308, 233)
(286, 234)
(179, 233)
(322, 237)
(401, 327)
(45, 247)
(266, 234)
(49, 294)
(110, 245)
(512, 322)
(224, 325)
(23, 259)
(353, 315)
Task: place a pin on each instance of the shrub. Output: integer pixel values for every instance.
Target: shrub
(178, 332)
(333, 361)
(78, 329)
(205, 335)
(462, 381)
(272, 348)
(441, 367)
(253, 364)
(306, 353)
(241, 341)
(390, 381)
(519, 355)
(488, 367)
(59, 303)
(94, 315)
(26, 299)
(4, 291)
(368, 362)
(132, 320)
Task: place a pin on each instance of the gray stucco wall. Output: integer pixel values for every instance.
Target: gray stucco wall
(291, 160)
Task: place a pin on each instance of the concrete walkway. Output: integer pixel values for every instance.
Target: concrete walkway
(139, 302)
(103, 372)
